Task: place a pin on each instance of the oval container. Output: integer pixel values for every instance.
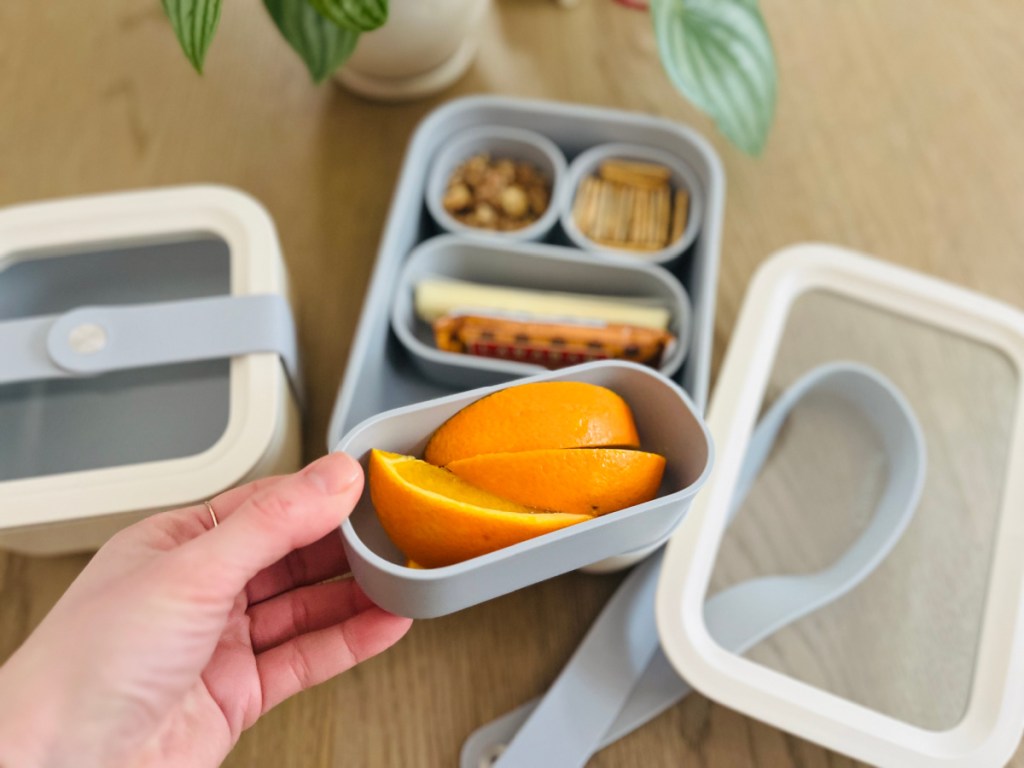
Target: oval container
(587, 163)
(668, 424)
(500, 142)
(522, 265)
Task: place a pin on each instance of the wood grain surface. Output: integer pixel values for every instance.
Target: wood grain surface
(898, 133)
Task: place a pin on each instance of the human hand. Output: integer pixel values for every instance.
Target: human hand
(178, 636)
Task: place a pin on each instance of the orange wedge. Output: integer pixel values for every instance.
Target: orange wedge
(584, 481)
(437, 519)
(546, 414)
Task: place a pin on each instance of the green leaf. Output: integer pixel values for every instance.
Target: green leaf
(718, 55)
(194, 23)
(357, 15)
(321, 43)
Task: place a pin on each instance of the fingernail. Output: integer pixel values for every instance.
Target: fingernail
(334, 473)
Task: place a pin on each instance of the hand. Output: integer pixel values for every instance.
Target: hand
(178, 636)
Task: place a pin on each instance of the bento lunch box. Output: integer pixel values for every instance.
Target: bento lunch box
(149, 360)
(382, 374)
(668, 423)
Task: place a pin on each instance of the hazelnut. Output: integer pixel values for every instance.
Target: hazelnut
(514, 202)
(457, 198)
(485, 215)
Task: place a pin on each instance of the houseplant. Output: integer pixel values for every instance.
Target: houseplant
(717, 53)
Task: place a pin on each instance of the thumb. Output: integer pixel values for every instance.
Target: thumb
(291, 513)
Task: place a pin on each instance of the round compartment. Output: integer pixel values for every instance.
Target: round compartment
(529, 266)
(681, 177)
(498, 142)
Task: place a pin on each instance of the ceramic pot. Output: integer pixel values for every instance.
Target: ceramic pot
(425, 46)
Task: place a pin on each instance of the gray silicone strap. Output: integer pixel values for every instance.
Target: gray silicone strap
(572, 718)
(88, 341)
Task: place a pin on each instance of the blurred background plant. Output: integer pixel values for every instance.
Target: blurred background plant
(718, 53)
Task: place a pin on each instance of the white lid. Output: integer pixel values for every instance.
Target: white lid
(138, 439)
(921, 662)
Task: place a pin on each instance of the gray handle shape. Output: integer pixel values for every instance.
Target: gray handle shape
(594, 702)
(89, 341)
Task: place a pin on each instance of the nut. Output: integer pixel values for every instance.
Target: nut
(514, 202)
(485, 215)
(500, 194)
(457, 198)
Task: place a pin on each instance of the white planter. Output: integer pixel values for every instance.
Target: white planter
(425, 46)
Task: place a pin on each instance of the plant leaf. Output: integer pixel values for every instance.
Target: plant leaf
(321, 43)
(194, 23)
(719, 56)
(357, 15)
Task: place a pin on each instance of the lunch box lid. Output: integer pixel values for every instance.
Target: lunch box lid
(148, 350)
(852, 573)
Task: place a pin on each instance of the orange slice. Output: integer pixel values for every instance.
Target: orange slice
(437, 519)
(585, 481)
(546, 414)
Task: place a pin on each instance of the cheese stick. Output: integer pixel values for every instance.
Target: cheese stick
(434, 297)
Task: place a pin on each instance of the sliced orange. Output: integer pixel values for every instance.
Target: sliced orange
(546, 414)
(584, 481)
(437, 519)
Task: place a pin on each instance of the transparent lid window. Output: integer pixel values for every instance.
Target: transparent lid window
(904, 642)
(122, 418)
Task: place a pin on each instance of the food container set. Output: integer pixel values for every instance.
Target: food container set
(844, 529)
(394, 364)
(148, 360)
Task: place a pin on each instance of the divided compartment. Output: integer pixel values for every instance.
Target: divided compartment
(529, 266)
(668, 423)
(381, 374)
(498, 142)
(681, 177)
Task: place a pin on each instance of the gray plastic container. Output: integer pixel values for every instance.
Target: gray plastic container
(380, 374)
(668, 422)
(497, 141)
(522, 265)
(587, 164)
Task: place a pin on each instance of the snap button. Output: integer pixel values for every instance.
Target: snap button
(87, 338)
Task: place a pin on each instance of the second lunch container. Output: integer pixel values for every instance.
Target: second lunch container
(148, 360)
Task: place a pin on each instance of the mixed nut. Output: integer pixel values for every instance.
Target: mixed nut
(497, 194)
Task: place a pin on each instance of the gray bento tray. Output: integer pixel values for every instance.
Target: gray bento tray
(380, 376)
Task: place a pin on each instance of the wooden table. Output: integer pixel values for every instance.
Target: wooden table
(898, 133)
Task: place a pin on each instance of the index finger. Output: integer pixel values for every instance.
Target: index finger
(292, 513)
